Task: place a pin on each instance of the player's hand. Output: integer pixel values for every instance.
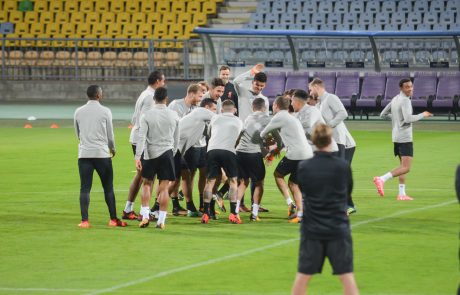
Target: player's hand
(257, 69)
(113, 153)
(269, 159)
(427, 114)
(138, 165)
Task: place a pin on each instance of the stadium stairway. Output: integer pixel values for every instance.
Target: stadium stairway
(233, 14)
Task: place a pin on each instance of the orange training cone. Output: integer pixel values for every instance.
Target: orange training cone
(54, 126)
(27, 126)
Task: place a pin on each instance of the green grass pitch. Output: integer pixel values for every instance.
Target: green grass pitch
(400, 247)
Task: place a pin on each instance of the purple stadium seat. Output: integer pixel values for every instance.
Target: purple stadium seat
(424, 88)
(328, 78)
(392, 86)
(347, 87)
(275, 84)
(373, 89)
(448, 88)
(297, 80)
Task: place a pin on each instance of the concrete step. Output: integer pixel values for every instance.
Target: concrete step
(233, 15)
(227, 26)
(229, 21)
(237, 9)
(248, 3)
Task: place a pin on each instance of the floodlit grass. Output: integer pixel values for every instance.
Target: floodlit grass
(400, 247)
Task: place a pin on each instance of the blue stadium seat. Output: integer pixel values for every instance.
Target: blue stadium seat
(414, 18)
(447, 17)
(453, 5)
(373, 6)
(358, 27)
(389, 55)
(325, 7)
(340, 56)
(288, 18)
(430, 18)
(277, 55)
(423, 27)
(310, 6)
(357, 55)
(318, 19)
(420, 6)
(324, 55)
(407, 27)
(366, 18)
(440, 55)
(391, 27)
(272, 19)
(382, 18)
(350, 19)
(422, 56)
(245, 54)
(398, 18)
(399, 44)
(327, 27)
(406, 55)
(296, 26)
(388, 6)
(374, 27)
(437, 6)
(405, 6)
(309, 55)
(263, 7)
(279, 6)
(341, 6)
(334, 18)
(357, 6)
(294, 6)
(439, 27)
(262, 54)
(304, 19)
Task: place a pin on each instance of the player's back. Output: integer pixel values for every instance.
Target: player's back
(225, 130)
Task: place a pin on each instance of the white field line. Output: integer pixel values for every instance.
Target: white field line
(245, 253)
(215, 260)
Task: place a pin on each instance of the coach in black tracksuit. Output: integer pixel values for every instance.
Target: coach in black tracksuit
(325, 182)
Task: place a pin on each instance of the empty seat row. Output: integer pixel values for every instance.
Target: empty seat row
(164, 6)
(374, 90)
(356, 6)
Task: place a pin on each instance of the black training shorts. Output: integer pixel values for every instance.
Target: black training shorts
(404, 149)
(218, 159)
(286, 167)
(312, 254)
(162, 167)
(194, 158)
(250, 165)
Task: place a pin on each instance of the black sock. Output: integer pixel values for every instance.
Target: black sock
(175, 202)
(110, 201)
(201, 201)
(206, 208)
(156, 206)
(191, 206)
(224, 189)
(233, 207)
(212, 207)
(84, 204)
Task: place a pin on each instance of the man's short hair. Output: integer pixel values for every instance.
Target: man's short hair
(207, 102)
(216, 82)
(404, 80)
(205, 84)
(161, 93)
(223, 68)
(193, 88)
(228, 105)
(290, 92)
(300, 94)
(321, 135)
(258, 104)
(317, 82)
(282, 102)
(154, 77)
(92, 91)
(260, 77)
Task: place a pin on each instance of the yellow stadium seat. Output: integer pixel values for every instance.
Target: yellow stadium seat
(56, 6)
(189, 31)
(147, 6)
(93, 17)
(121, 41)
(3, 16)
(90, 43)
(27, 43)
(43, 40)
(52, 29)
(178, 6)
(159, 30)
(68, 29)
(117, 6)
(15, 16)
(102, 6)
(199, 19)
(184, 19)
(86, 6)
(209, 7)
(169, 18)
(193, 7)
(37, 28)
(46, 17)
(137, 43)
(31, 17)
(154, 18)
(62, 17)
(138, 18)
(163, 6)
(114, 30)
(41, 5)
(108, 18)
(99, 29)
(71, 6)
(77, 17)
(129, 29)
(123, 18)
(58, 43)
(145, 31)
(21, 28)
(84, 29)
(10, 5)
(177, 31)
(105, 43)
(132, 6)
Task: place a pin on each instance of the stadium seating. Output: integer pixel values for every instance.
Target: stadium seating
(424, 89)
(275, 86)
